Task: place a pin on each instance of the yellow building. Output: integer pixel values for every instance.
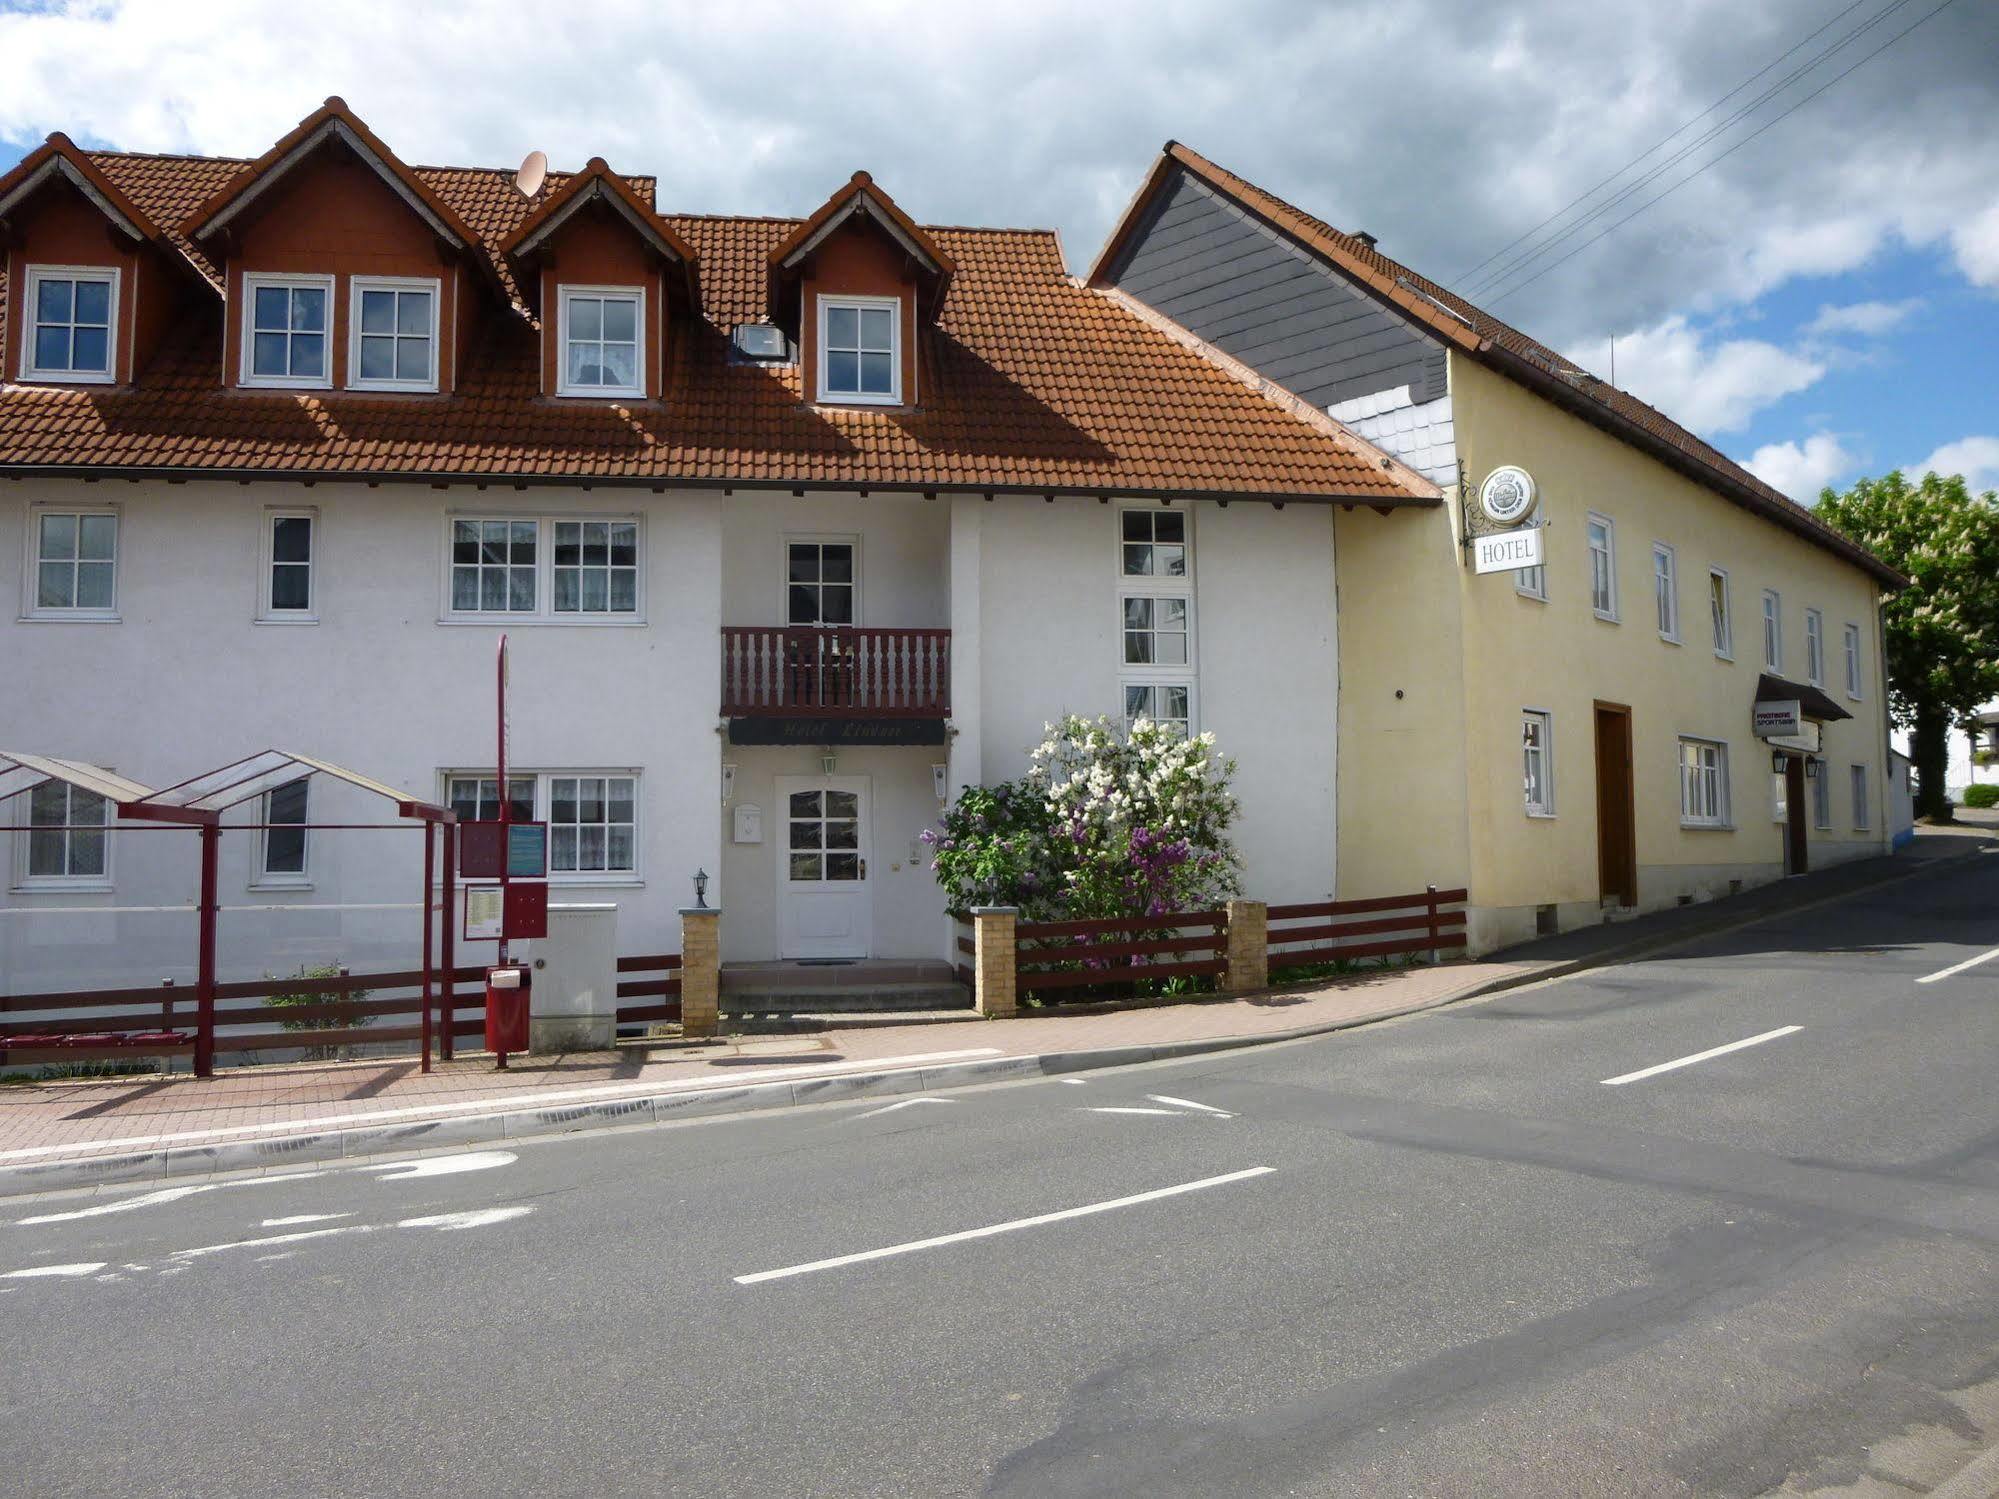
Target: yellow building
(1685, 697)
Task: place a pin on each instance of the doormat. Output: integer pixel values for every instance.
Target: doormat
(825, 962)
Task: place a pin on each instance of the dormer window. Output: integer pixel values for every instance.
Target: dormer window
(860, 358)
(74, 310)
(602, 354)
(394, 342)
(286, 332)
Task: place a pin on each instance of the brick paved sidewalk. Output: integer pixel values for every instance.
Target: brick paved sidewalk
(55, 1120)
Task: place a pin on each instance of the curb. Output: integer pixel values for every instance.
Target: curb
(671, 1105)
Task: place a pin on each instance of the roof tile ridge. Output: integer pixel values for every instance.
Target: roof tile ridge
(1343, 436)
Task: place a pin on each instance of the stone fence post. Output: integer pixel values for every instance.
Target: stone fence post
(700, 970)
(1248, 946)
(993, 960)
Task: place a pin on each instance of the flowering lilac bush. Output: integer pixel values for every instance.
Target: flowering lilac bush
(1104, 824)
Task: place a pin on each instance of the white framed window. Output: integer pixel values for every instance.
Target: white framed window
(495, 566)
(73, 561)
(1156, 630)
(285, 594)
(392, 327)
(1703, 783)
(1861, 815)
(282, 846)
(602, 341)
(543, 569)
(1167, 703)
(596, 566)
(66, 844)
(1602, 566)
(592, 824)
(1155, 601)
(1773, 630)
(1821, 793)
(1666, 591)
(1815, 647)
(592, 817)
(1852, 639)
(822, 580)
(860, 350)
(1719, 614)
(1537, 750)
(476, 798)
(72, 316)
(288, 332)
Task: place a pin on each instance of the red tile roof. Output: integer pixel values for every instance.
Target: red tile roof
(1032, 382)
(1447, 316)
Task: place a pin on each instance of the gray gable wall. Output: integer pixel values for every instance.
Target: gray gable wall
(1210, 267)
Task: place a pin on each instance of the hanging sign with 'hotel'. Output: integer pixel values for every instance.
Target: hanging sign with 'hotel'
(1503, 551)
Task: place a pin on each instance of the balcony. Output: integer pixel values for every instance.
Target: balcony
(835, 673)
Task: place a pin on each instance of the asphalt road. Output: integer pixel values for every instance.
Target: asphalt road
(1439, 1256)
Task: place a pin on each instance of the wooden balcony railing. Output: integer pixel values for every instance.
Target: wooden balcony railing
(835, 672)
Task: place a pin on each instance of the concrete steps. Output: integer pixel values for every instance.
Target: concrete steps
(843, 990)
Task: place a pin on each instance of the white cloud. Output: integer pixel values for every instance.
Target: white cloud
(1801, 470)
(1866, 319)
(1709, 385)
(1976, 242)
(1977, 458)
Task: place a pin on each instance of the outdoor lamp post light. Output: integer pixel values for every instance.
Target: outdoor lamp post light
(828, 763)
(700, 889)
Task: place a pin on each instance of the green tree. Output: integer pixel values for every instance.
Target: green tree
(1942, 632)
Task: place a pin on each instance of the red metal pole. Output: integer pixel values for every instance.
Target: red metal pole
(506, 805)
(429, 868)
(450, 902)
(204, 982)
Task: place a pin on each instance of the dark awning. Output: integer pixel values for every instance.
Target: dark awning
(1812, 701)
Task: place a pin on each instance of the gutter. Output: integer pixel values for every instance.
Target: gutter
(661, 484)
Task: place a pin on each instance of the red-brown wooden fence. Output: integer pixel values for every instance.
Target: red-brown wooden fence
(1046, 953)
(661, 993)
(1392, 924)
(160, 1021)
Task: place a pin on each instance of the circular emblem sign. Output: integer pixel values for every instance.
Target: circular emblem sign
(1507, 496)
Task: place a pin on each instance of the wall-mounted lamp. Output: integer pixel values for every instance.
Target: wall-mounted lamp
(1778, 760)
(828, 763)
(1813, 767)
(728, 784)
(940, 781)
(700, 889)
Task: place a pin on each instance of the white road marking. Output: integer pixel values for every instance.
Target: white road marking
(1701, 1056)
(1134, 1109)
(476, 1218)
(445, 1165)
(1074, 1082)
(890, 1108)
(297, 1218)
(1001, 1228)
(507, 1104)
(1188, 1103)
(1956, 968)
(123, 1204)
(203, 1250)
(37, 1272)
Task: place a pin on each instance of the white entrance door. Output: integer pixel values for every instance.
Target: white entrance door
(824, 906)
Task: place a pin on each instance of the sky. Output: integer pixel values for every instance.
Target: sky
(1821, 302)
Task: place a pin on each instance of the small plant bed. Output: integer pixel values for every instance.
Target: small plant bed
(1983, 795)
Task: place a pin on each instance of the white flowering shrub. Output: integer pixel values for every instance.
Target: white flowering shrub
(1104, 824)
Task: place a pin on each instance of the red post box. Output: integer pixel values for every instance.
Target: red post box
(507, 1010)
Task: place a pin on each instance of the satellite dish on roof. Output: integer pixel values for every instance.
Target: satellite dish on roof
(533, 172)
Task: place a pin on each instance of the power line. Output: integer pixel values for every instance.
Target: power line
(1920, 21)
(1465, 276)
(1498, 277)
